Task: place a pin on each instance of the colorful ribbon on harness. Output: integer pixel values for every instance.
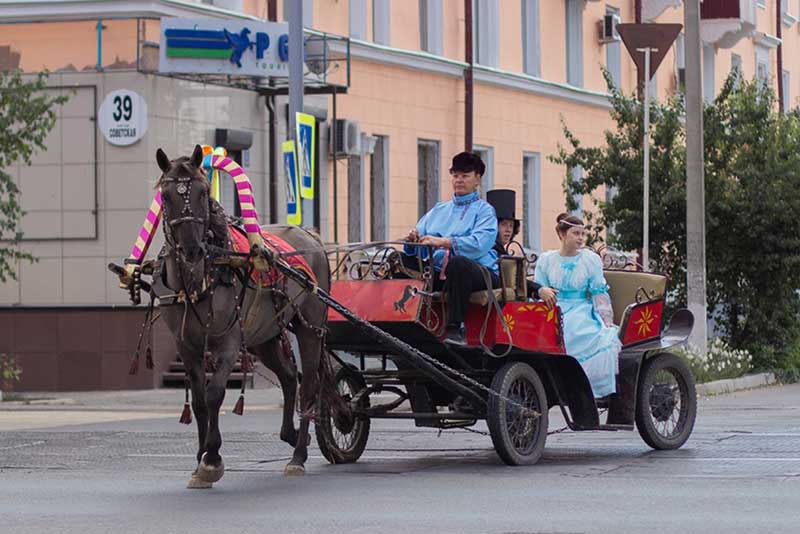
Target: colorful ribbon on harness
(244, 191)
(213, 174)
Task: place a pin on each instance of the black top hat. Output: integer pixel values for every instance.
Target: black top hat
(504, 202)
(467, 162)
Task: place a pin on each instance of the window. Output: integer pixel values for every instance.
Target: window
(485, 32)
(531, 40)
(736, 66)
(577, 177)
(614, 55)
(380, 21)
(787, 91)
(487, 155)
(532, 200)
(574, 16)
(379, 189)
(708, 72)
(762, 65)
(308, 12)
(428, 175)
(430, 26)
(680, 62)
(358, 19)
(653, 87)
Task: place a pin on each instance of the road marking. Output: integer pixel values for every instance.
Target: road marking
(31, 444)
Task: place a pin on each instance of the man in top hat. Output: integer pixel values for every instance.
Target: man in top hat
(504, 202)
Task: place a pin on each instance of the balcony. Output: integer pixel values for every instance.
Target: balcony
(725, 22)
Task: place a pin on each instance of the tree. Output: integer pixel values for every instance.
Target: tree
(27, 114)
(752, 174)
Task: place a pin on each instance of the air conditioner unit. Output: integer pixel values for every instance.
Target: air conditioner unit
(347, 141)
(608, 28)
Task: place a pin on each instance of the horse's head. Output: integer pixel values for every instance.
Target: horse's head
(185, 203)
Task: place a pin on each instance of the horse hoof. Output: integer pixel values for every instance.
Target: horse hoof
(210, 473)
(293, 470)
(196, 483)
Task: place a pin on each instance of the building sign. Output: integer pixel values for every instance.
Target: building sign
(306, 150)
(123, 117)
(293, 215)
(215, 46)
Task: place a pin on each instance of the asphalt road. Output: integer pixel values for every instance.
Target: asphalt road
(120, 462)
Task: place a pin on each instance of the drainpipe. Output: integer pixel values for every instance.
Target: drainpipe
(468, 84)
(779, 35)
(272, 10)
(99, 45)
(638, 11)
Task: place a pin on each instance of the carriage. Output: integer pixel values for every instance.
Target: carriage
(513, 370)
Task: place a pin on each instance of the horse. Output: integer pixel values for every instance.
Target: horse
(219, 313)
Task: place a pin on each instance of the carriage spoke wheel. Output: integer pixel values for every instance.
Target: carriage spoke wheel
(666, 404)
(342, 436)
(518, 438)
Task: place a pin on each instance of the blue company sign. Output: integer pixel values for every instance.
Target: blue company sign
(211, 46)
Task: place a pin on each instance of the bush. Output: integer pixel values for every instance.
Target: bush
(10, 372)
(720, 362)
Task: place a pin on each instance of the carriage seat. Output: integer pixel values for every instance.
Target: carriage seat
(513, 285)
(624, 285)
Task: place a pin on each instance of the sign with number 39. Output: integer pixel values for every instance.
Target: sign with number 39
(123, 117)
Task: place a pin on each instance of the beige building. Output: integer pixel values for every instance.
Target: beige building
(400, 102)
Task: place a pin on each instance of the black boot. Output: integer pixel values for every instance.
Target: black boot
(454, 336)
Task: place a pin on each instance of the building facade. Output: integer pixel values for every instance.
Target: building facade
(401, 94)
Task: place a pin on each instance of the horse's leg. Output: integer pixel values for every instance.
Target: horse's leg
(211, 466)
(195, 369)
(310, 353)
(271, 354)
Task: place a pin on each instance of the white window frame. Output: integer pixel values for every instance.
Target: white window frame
(576, 174)
(487, 155)
(532, 200)
(709, 73)
(574, 41)
(358, 19)
(762, 60)
(531, 38)
(614, 54)
(736, 63)
(787, 91)
(431, 26)
(485, 32)
(431, 183)
(381, 22)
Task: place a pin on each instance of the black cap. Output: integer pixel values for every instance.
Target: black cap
(466, 162)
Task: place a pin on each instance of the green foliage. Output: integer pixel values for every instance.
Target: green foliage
(27, 114)
(10, 372)
(752, 194)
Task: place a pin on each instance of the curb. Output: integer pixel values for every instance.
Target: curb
(721, 387)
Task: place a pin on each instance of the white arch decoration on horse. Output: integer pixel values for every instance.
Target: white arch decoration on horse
(244, 191)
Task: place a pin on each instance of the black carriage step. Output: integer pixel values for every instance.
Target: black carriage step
(615, 427)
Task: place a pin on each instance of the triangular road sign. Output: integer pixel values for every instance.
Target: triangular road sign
(656, 36)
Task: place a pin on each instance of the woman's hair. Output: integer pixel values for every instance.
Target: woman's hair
(565, 221)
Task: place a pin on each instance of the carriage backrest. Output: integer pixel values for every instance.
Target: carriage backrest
(624, 286)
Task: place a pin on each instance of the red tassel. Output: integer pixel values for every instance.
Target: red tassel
(247, 365)
(134, 368)
(148, 358)
(186, 416)
(239, 408)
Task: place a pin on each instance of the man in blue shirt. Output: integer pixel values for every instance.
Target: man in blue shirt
(463, 231)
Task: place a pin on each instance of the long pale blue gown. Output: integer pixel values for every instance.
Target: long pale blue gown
(587, 339)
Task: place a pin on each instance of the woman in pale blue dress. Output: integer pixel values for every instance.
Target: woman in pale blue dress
(576, 273)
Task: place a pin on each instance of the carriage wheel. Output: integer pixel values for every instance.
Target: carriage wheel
(666, 402)
(518, 439)
(342, 437)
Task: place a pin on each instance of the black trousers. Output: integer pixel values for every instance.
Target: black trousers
(462, 277)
